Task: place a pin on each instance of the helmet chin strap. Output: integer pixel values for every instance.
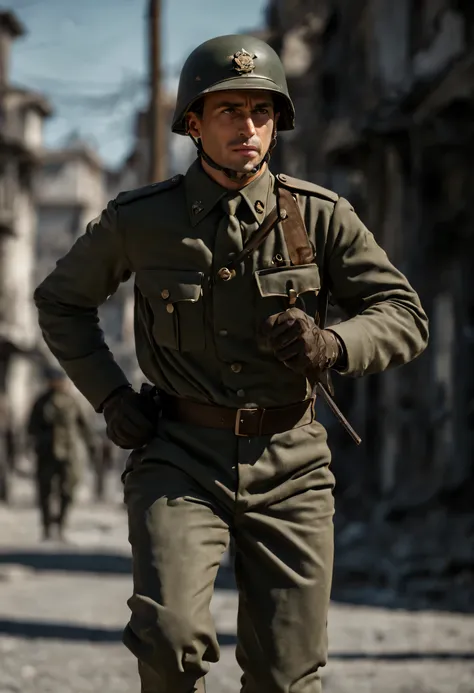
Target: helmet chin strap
(234, 176)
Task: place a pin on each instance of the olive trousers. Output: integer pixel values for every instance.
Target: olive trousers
(56, 480)
(185, 493)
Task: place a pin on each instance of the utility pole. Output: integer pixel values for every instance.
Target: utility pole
(156, 109)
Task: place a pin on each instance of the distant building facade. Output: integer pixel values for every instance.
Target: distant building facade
(384, 96)
(22, 113)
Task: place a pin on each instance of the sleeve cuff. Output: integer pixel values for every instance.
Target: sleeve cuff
(357, 344)
(96, 376)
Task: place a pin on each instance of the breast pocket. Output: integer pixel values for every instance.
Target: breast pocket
(277, 284)
(175, 298)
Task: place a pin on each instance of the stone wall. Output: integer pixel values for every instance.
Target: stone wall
(384, 98)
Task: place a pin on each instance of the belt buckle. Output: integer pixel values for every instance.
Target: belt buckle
(238, 421)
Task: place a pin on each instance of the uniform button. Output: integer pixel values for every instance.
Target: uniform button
(236, 367)
(240, 393)
(231, 255)
(170, 308)
(165, 293)
(223, 333)
(225, 274)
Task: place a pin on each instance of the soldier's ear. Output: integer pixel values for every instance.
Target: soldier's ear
(193, 124)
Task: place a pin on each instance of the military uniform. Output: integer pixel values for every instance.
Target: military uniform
(266, 477)
(56, 423)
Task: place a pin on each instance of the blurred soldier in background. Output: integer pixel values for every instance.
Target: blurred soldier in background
(104, 463)
(56, 425)
(7, 449)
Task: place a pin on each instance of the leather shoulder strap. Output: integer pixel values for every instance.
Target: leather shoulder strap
(300, 250)
(299, 247)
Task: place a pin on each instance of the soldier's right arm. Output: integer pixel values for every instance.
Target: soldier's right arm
(68, 299)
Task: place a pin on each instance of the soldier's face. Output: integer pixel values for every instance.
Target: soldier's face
(235, 128)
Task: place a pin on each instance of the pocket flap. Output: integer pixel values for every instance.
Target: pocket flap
(277, 281)
(170, 285)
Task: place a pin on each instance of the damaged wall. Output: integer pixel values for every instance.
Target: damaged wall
(385, 111)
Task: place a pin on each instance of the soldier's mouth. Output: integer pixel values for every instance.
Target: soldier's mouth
(247, 151)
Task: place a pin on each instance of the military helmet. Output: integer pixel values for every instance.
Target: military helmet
(232, 62)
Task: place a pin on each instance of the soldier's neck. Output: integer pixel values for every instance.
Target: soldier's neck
(225, 182)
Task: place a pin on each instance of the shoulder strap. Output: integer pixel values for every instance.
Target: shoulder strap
(299, 247)
(296, 237)
(307, 188)
(128, 196)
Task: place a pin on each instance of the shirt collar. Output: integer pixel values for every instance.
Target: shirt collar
(203, 193)
(256, 195)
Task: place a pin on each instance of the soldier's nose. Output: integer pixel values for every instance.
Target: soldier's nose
(248, 128)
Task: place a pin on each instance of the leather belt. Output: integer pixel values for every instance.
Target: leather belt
(244, 421)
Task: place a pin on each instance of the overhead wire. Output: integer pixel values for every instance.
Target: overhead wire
(84, 102)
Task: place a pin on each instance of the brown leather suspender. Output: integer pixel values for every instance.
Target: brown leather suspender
(287, 213)
(296, 237)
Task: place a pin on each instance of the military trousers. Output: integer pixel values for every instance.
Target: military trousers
(56, 480)
(185, 493)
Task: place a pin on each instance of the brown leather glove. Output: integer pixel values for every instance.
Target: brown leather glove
(131, 418)
(295, 339)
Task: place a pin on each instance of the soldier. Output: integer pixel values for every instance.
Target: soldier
(231, 264)
(56, 423)
(8, 448)
(104, 463)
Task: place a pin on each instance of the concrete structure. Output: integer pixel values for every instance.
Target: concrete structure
(71, 190)
(384, 94)
(22, 113)
(384, 99)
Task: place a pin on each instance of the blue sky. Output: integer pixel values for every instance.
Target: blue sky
(96, 49)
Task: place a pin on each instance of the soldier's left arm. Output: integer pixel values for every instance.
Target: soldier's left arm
(387, 324)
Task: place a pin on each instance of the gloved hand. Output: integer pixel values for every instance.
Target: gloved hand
(131, 418)
(299, 343)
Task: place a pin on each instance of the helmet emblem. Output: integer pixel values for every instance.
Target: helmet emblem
(243, 61)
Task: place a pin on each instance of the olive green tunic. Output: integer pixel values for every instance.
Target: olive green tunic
(197, 336)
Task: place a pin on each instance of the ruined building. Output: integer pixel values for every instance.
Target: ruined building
(71, 189)
(385, 116)
(22, 113)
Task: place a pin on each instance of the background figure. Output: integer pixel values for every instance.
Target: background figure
(56, 425)
(7, 450)
(104, 462)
